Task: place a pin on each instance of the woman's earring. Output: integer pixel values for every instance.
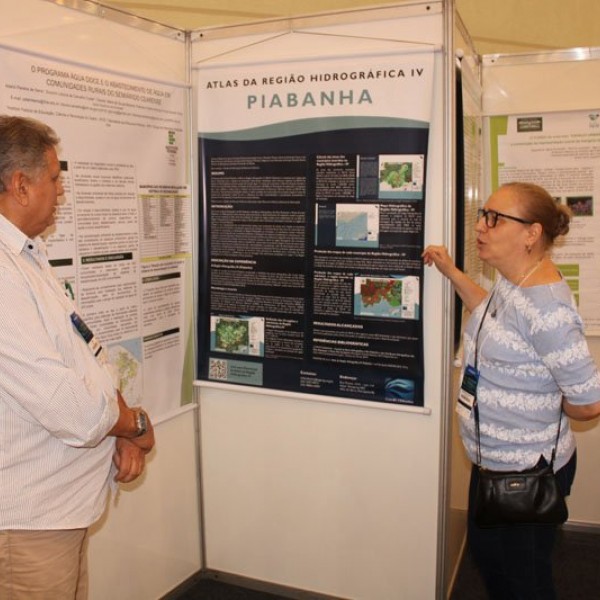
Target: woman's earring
(528, 248)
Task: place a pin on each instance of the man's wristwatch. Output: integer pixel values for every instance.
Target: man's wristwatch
(141, 421)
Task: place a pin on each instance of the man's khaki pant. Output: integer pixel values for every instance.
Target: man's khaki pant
(43, 565)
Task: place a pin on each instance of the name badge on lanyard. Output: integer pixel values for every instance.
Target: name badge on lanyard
(468, 392)
(90, 339)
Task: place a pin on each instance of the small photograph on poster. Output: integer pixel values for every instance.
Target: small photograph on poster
(393, 297)
(401, 176)
(238, 335)
(357, 225)
(581, 206)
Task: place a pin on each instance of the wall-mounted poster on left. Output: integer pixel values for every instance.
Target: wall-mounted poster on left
(122, 242)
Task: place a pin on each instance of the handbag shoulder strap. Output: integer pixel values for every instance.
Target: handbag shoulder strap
(553, 456)
(477, 430)
(475, 365)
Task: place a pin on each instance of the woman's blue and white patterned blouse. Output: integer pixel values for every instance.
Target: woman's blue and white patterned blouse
(532, 351)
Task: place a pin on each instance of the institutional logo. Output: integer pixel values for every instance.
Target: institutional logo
(172, 148)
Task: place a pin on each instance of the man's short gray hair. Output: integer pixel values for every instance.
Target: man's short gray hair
(23, 144)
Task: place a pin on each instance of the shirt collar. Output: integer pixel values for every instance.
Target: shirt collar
(15, 239)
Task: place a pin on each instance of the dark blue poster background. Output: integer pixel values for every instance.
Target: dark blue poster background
(310, 271)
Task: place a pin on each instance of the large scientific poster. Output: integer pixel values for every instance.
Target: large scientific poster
(122, 241)
(313, 186)
(560, 152)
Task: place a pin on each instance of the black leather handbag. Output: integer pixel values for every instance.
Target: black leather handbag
(518, 497)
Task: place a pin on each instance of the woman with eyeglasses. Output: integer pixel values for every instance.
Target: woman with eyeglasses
(525, 356)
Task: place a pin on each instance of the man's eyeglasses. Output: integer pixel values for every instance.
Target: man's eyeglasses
(491, 217)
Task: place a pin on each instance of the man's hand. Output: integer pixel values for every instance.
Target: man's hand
(145, 442)
(129, 459)
(126, 427)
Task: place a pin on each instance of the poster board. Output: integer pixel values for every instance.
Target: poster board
(559, 151)
(122, 242)
(550, 85)
(313, 179)
(282, 467)
(61, 65)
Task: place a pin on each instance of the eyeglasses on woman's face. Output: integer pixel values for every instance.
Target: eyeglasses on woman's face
(491, 217)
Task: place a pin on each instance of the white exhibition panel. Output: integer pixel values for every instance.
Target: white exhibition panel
(332, 497)
(149, 540)
(319, 37)
(338, 500)
(47, 28)
(458, 465)
(418, 25)
(546, 83)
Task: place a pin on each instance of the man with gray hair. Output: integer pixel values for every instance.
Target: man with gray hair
(66, 432)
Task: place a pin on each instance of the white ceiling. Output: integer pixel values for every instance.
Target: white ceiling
(495, 26)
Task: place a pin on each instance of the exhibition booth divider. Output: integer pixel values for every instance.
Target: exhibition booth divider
(541, 123)
(322, 427)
